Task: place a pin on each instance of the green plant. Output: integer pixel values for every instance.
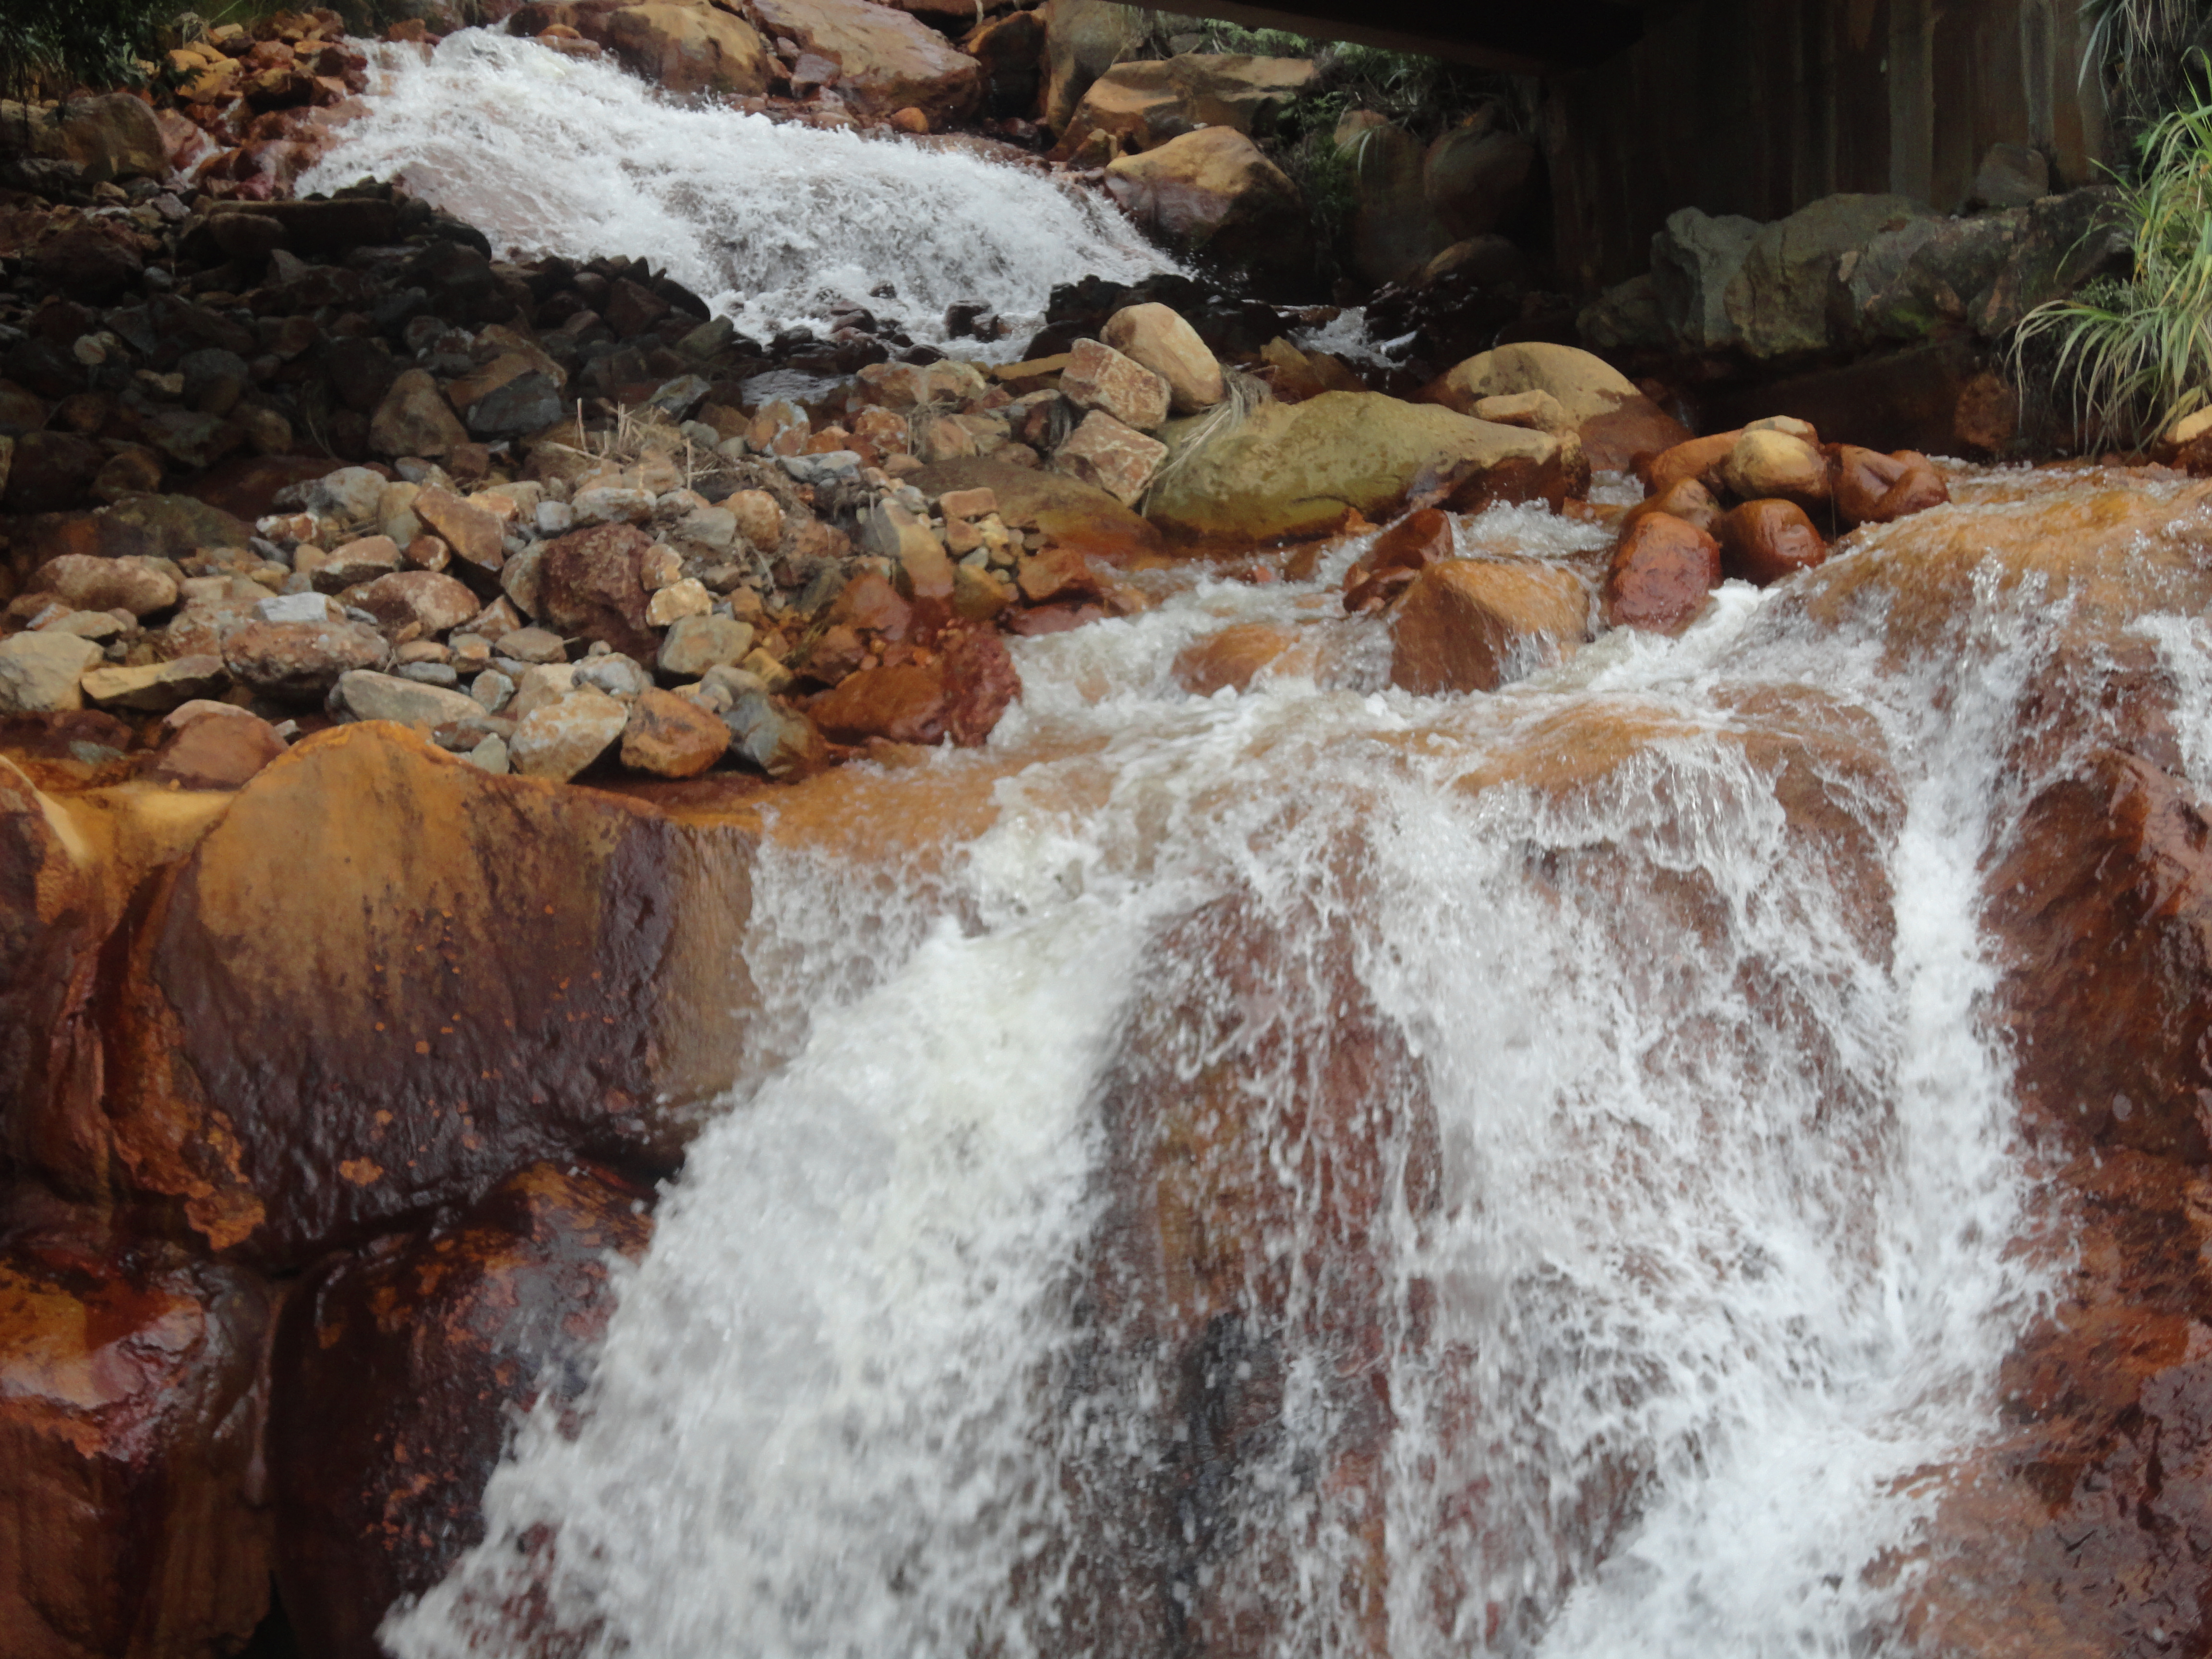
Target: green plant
(98, 43)
(2143, 49)
(2135, 354)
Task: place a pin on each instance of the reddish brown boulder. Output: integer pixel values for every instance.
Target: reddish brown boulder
(215, 751)
(398, 1372)
(495, 970)
(50, 928)
(671, 737)
(1762, 542)
(1475, 625)
(903, 702)
(1407, 548)
(1233, 656)
(592, 582)
(689, 49)
(472, 534)
(1685, 499)
(1661, 572)
(1698, 458)
(981, 683)
(131, 1522)
(2104, 907)
(1875, 488)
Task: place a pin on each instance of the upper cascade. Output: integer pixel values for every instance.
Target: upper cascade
(549, 155)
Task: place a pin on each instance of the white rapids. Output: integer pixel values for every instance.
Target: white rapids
(770, 223)
(1719, 1281)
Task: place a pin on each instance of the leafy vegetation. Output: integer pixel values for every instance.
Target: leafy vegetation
(2135, 354)
(67, 43)
(2145, 50)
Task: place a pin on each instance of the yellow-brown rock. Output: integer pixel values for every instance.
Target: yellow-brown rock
(1476, 625)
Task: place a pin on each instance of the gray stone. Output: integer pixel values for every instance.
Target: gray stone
(1926, 277)
(528, 403)
(837, 466)
(533, 645)
(492, 690)
(2012, 175)
(40, 673)
(615, 674)
(1626, 317)
(770, 738)
(372, 697)
(2068, 241)
(352, 495)
(696, 644)
(296, 608)
(1779, 300)
(429, 673)
(563, 738)
(490, 755)
(300, 661)
(1693, 259)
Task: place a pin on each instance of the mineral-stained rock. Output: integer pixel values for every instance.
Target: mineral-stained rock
(1661, 572)
(215, 751)
(1300, 469)
(1875, 488)
(1234, 656)
(130, 1412)
(1100, 378)
(368, 695)
(38, 672)
(1212, 194)
(1762, 542)
(1616, 422)
(415, 419)
(399, 1373)
(85, 582)
(429, 597)
(471, 533)
(299, 662)
(498, 969)
(1475, 625)
(1112, 456)
(591, 581)
(671, 737)
(1159, 339)
(566, 737)
(888, 61)
(1070, 513)
(960, 695)
(156, 687)
(686, 49)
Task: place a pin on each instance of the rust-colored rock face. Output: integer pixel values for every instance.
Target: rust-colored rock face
(49, 937)
(1763, 541)
(1660, 573)
(398, 1373)
(1474, 624)
(480, 972)
(130, 1423)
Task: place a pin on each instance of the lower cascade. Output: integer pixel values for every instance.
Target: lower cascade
(1326, 1171)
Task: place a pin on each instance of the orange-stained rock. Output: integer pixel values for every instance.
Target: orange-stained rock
(1762, 542)
(1476, 625)
(215, 751)
(960, 693)
(1697, 458)
(1661, 572)
(51, 928)
(1071, 513)
(1876, 488)
(131, 1524)
(671, 737)
(1685, 499)
(1233, 656)
(448, 975)
(592, 582)
(397, 1374)
(2104, 911)
(1407, 548)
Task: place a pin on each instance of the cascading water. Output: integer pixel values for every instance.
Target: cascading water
(769, 223)
(1330, 1172)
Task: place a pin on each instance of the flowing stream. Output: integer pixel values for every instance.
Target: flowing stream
(1312, 1172)
(769, 223)
(1329, 1172)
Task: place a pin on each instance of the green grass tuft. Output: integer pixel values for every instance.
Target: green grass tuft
(2135, 355)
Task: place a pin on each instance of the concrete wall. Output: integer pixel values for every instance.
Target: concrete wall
(1759, 106)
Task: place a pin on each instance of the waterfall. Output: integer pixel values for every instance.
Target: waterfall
(1330, 1172)
(769, 223)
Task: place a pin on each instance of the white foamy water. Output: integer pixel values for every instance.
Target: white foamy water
(1310, 1171)
(769, 223)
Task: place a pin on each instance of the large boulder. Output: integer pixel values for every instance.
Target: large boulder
(1294, 470)
(1144, 103)
(1069, 513)
(130, 1415)
(889, 61)
(1213, 197)
(479, 971)
(111, 136)
(1082, 39)
(399, 1373)
(1616, 422)
(1927, 276)
(1695, 257)
(592, 582)
(1476, 625)
(50, 933)
(689, 49)
(1779, 299)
